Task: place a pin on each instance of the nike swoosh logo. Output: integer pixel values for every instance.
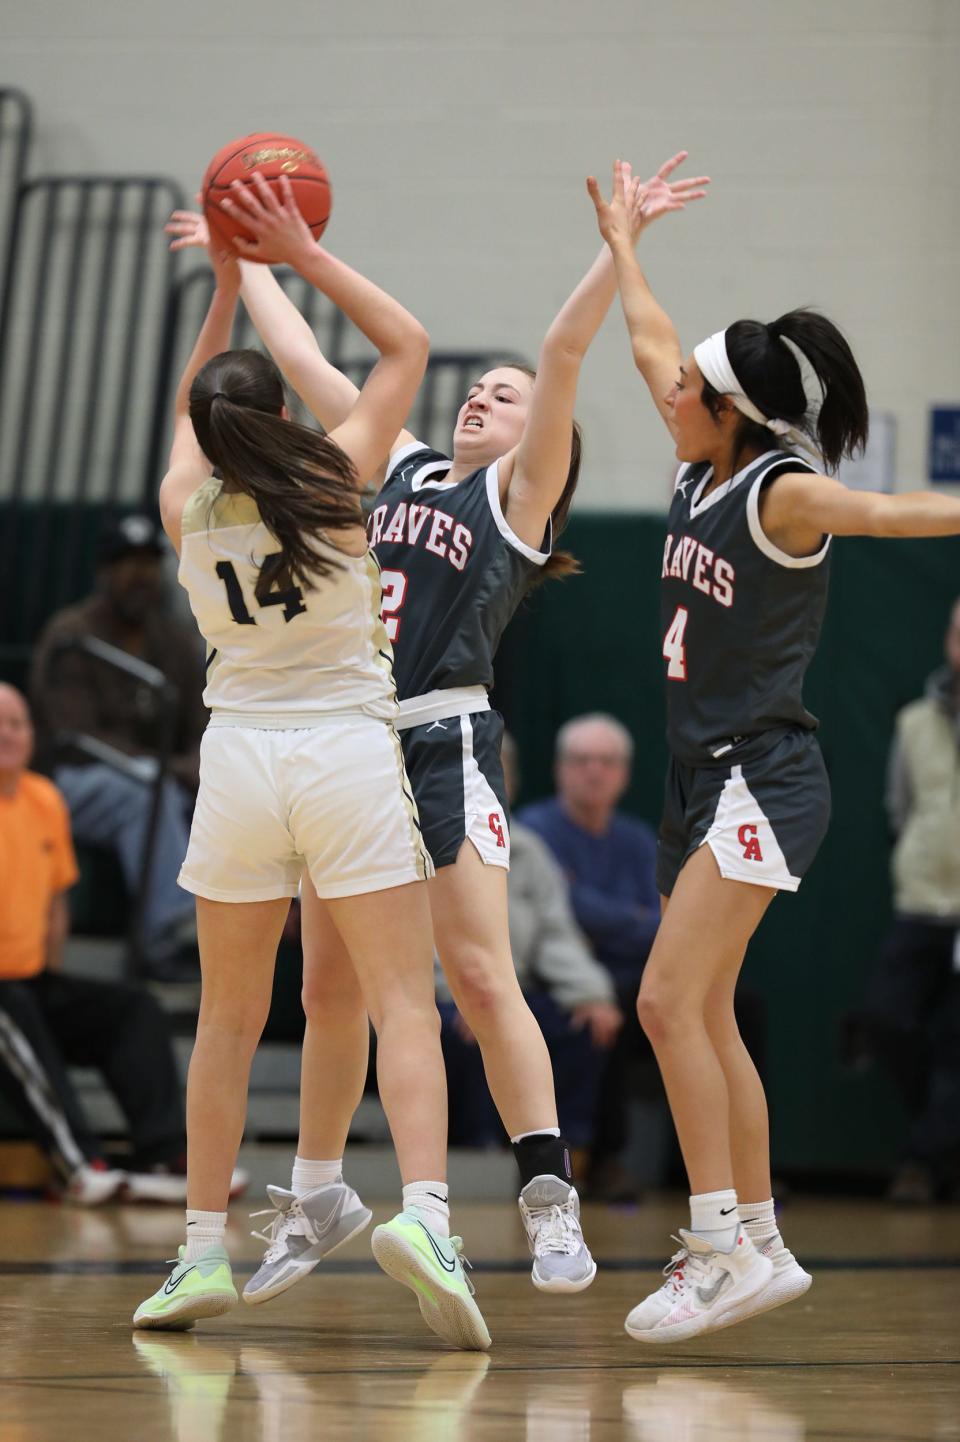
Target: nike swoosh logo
(710, 1294)
(450, 1267)
(172, 1283)
(727, 1211)
(438, 1197)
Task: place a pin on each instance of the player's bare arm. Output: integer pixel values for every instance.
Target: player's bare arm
(327, 393)
(280, 235)
(653, 338)
(188, 468)
(533, 478)
(797, 511)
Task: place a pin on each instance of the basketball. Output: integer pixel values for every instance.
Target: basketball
(271, 156)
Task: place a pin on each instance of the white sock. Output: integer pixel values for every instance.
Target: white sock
(204, 1229)
(308, 1174)
(714, 1217)
(540, 1132)
(759, 1221)
(430, 1201)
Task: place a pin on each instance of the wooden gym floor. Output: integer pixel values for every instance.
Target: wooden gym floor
(872, 1353)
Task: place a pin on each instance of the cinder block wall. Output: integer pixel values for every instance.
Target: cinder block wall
(458, 137)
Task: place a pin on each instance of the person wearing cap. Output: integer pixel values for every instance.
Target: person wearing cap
(78, 693)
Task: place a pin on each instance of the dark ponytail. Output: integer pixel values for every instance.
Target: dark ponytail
(559, 564)
(302, 482)
(770, 375)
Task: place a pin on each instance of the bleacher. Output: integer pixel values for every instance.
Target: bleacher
(97, 318)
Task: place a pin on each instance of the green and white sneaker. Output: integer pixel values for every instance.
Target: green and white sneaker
(432, 1267)
(193, 1290)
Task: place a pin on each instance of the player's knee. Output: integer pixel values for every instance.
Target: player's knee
(405, 1015)
(236, 1020)
(481, 992)
(658, 1013)
(326, 998)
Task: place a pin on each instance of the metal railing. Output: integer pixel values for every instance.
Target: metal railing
(16, 133)
(65, 742)
(87, 279)
(449, 373)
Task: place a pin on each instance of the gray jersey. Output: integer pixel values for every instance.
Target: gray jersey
(452, 571)
(740, 618)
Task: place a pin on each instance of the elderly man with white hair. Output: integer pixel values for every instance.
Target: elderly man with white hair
(608, 857)
(609, 862)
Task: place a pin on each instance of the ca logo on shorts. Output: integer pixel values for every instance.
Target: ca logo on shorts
(496, 826)
(747, 836)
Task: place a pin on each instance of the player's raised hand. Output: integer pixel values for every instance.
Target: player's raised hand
(634, 205)
(280, 234)
(613, 215)
(660, 195)
(190, 229)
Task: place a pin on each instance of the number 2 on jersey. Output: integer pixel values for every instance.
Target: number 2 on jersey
(674, 649)
(393, 589)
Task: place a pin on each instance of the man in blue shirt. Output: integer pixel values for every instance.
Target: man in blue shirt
(609, 859)
(609, 862)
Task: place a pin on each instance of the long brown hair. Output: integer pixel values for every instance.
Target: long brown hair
(302, 482)
(559, 564)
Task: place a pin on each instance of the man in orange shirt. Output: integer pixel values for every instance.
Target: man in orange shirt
(49, 1020)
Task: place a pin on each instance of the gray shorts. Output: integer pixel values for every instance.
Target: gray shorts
(763, 815)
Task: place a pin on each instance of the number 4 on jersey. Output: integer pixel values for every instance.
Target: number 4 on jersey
(674, 649)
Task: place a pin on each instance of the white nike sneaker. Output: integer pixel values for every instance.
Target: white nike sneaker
(702, 1289)
(93, 1184)
(550, 1209)
(788, 1282)
(302, 1232)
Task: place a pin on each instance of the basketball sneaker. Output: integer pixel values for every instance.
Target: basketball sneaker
(167, 1184)
(550, 1209)
(303, 1231)
(93, 1184)
(193, 1290)
(788, 1282)
(433, 1268)
(702, 1290)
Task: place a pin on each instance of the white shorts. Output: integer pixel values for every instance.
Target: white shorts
(333, 798)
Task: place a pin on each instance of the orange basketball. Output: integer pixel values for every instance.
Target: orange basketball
(271, 156)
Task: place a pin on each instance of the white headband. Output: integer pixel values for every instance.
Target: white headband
(714, 363)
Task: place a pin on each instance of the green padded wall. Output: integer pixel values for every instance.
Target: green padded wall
(592, 643)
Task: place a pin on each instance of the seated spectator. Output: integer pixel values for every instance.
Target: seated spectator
(609, 862)
(80, 694)
(569, 994)
(912, 1010)
(49, 1020)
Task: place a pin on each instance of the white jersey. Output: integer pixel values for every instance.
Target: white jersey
(297, 656)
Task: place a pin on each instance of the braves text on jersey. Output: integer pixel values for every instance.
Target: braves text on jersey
(740, 618)
(452, 571)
